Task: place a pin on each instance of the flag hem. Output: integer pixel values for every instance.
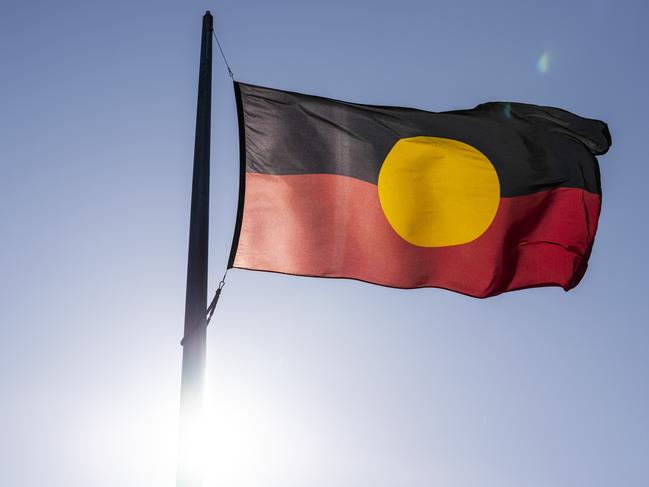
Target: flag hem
(242, 175)
(568, 288)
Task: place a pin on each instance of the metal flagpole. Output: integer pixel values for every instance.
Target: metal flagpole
(190, 451)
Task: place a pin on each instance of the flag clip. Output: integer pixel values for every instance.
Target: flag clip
(215, 299)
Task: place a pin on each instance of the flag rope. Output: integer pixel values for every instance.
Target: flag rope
(223, 56)
(215, 299)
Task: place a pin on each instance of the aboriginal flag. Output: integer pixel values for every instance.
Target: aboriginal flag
(500, 197)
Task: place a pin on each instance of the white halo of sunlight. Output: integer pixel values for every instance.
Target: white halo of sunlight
(129, 442)
(253, 438)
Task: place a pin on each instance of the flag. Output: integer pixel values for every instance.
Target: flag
(500, 197)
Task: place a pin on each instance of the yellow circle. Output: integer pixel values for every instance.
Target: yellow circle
(438, 192)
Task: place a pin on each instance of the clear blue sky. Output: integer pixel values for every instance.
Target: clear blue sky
(324, 383)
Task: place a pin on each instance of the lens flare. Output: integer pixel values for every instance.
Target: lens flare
(543, 63)
(507, 110)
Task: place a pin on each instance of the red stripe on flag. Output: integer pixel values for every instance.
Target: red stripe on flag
(333, 226)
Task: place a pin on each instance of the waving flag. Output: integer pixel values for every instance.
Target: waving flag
(500, 197)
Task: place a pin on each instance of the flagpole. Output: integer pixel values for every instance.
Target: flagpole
(189, 473)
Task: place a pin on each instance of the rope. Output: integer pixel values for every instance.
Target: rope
(224, 60)
(215, 299)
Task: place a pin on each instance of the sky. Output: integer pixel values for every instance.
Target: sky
(309, 381)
